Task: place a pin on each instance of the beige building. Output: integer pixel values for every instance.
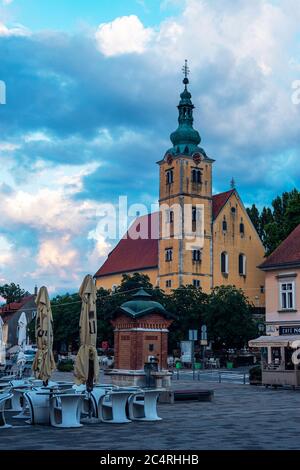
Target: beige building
(280, 347)
(196, 238)
(282, 283)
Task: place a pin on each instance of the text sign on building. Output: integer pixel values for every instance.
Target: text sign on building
(193, 335)
(204, 334)
(289, 330)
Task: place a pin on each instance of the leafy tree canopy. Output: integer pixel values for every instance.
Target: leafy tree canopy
(229, 318)
(275, 224)
(12, 292)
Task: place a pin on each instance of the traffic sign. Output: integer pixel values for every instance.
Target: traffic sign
(193, 335)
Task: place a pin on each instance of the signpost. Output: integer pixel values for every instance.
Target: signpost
(203, 341)
(193, 336)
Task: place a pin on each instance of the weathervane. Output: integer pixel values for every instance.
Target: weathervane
(186, 72)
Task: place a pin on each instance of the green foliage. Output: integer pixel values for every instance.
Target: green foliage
(135, 281)
(228, 318)
(66, 314)
(12, 292)
(66, 365)
(188, 304)
(274, 225)
(226, 312)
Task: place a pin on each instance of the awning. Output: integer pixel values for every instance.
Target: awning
(273, 341)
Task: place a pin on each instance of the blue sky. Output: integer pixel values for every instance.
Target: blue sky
(92, 89)
(68, 15)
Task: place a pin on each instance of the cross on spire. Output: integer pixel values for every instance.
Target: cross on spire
(186, 72)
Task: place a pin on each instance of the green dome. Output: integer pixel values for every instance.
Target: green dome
(142, 305)
(185, 139)
(185, 135)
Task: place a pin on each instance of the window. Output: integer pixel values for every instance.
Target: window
(262, 289)
(196, 283)
(169, 254)
(242, 265)
(242, 228)
(194, 214)
(224, 226)
(233, 210)
(168, 283)
(169, 177)
(169, 216)
(196, 176)
(224, 263)
(196, 256)
(151, 347)
(287, 295)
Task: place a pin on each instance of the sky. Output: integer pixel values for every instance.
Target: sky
(91, 93)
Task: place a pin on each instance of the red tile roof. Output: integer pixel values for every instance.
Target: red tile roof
(286, 254)
(13, 307)
(133, 254)
(219, 201)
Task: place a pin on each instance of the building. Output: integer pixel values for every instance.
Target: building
(196, 238)
(10, 314)
(282, 282)
(141, 328)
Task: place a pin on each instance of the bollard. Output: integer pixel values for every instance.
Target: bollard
(220, 378)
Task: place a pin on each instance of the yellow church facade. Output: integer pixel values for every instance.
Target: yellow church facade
(196, 238)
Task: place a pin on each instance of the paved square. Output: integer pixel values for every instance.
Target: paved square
(240, 417)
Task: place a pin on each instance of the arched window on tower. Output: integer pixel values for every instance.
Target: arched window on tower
(196, 256)
(224, 262)
(169, 177)
(224, 225)
(196, 176)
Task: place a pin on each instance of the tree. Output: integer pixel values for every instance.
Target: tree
(274, 225)
(66, 314)
(12, 292)
(292, 213)
(188, 305)
(253, 213)
(134, 281)
(228, 318)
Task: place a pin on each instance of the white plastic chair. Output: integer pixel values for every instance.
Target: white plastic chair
(65, 410)
(38, 402)
(3, 399)
(143, 406)
(112, 407)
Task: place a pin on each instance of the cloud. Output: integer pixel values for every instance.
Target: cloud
(16, 30)
(5, 251)
(124, 35)
(87, 118)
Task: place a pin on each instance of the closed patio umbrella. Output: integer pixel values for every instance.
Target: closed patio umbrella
(22, 330)
(2, 346)
(44, 363)
(86, 369)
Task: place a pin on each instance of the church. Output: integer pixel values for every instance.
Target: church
(196, 238)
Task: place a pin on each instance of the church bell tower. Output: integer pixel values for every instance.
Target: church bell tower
(185, 201)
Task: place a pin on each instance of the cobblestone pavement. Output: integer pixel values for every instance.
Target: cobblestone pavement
(240, 417)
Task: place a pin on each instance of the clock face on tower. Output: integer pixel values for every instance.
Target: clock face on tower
(197, 157)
